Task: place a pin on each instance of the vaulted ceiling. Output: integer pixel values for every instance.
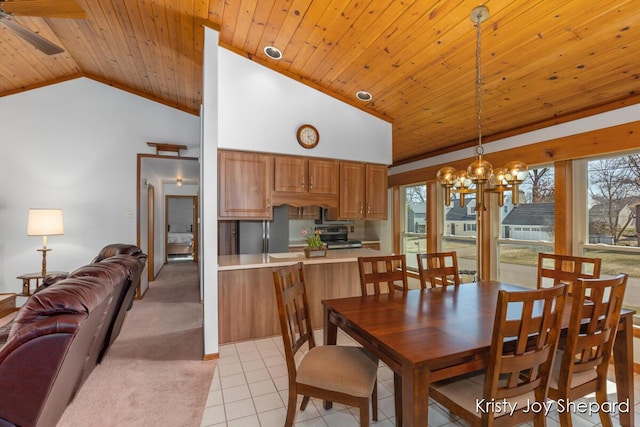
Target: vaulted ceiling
(541, 60)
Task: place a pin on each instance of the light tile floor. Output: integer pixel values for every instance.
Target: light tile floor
(250, 388)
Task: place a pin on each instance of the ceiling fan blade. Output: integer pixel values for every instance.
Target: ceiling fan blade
(44, 8)
(34, 39)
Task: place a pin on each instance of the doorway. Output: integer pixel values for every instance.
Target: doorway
(167, 175)
(181, 228)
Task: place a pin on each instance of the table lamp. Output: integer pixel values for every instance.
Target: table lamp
(44, 222)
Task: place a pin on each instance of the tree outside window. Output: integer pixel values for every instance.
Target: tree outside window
(614, 200)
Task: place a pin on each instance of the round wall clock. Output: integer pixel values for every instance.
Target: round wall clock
(308, 136)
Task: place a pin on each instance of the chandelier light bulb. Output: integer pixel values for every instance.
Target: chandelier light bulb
(517, 172)
(479, 170)
(498, 178)
(446, 175)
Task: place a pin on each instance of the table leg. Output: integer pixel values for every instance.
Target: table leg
(330, 329)
(415, 396)
(330, 337)
(397, 392)
(623, 365)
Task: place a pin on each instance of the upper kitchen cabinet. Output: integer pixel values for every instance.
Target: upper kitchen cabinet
(244, 182)
(363, 191)
(376, 191)
(301, 181)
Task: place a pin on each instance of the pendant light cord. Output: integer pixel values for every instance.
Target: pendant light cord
(479, 148)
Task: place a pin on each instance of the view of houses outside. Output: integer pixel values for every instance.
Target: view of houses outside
(527, 229)
(415, 206)
(612, 221)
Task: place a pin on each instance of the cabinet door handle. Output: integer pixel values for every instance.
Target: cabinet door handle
(311, 182)
(361, 210)
(302, 183)
(268, 205)
(368, 208)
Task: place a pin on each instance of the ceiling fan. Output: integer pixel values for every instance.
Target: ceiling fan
(42, 9)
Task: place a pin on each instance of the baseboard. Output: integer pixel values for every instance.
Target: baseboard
(213, 356)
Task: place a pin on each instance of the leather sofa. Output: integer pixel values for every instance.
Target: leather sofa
(61, 333)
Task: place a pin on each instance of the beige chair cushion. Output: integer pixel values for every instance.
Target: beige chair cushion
(577, 379)
(467, 392)
(349, 370)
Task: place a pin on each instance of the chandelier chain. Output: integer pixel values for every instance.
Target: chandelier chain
(479, 148)
(480, 176)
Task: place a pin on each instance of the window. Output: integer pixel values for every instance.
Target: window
(612, 210)
(527, 228)
(414, 221)
(459, 233)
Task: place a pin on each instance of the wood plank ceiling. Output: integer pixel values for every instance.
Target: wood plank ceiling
(542, 60)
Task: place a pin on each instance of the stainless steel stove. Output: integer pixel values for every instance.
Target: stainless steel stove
(337, 237)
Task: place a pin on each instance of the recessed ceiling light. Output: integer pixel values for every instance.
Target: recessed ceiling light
(364, 96)
(273, 52)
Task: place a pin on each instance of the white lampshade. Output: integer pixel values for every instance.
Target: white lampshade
(45, 222)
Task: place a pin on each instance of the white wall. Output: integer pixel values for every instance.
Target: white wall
(73, 146)
(209, 191)
(261, 110)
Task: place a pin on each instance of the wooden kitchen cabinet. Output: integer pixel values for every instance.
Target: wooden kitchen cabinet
(363, 191)
(227, 237)
(376, 192)
(304, 175)
(244, 185)
(303, 181)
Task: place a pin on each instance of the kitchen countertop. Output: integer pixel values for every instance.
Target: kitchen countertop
(303, 243)
(248, 261)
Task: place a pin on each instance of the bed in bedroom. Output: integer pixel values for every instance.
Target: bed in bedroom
(179, 240)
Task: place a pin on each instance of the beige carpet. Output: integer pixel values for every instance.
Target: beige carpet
(154, 374)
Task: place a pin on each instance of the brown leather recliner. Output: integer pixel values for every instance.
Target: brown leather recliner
(134, 260)
(118, 249)
(135, 266)
(43, 361)
(62, 332)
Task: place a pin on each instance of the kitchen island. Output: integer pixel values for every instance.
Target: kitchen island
(246, 297)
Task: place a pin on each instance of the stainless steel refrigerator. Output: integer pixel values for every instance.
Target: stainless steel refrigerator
(255, 237)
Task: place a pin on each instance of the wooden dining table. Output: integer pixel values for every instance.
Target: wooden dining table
(429, 335)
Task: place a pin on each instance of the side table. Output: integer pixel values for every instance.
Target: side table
(27, 278)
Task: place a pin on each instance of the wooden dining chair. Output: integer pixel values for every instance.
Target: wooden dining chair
(525, 337)
(438, 269)
(565, 269)
(389, 270)
(343, 374)
(392, 272)
(581, 368)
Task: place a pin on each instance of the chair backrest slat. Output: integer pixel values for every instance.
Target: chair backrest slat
(594, 321)
(439, 269)
(390, 270)
(293, 311)
(523, 347)
(566, 269)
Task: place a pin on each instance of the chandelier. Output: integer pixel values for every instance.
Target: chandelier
(480, 177)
